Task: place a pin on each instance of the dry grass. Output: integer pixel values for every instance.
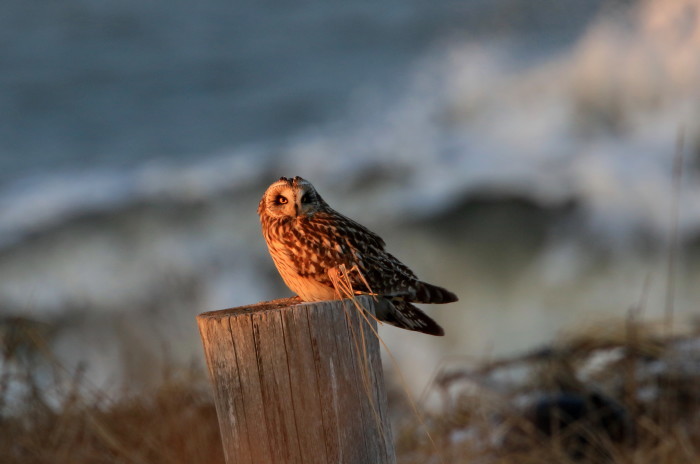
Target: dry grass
(618, 394)
(68, 422)
(634, 391)
(173, 424)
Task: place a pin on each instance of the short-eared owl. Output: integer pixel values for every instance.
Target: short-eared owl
(311, 243)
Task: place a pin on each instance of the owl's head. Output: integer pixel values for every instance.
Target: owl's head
(290, 197)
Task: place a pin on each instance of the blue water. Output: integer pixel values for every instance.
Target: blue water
(95, 84)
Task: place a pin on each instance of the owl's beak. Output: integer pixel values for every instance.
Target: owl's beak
(296, 209)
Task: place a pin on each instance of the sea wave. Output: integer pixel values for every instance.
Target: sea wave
(598, 124)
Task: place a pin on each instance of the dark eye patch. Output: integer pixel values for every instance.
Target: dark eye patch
(281, 200)
(306, 198)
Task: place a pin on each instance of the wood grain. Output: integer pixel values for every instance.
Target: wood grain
(298, 383)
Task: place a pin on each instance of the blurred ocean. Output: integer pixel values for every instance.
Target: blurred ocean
(520, 153)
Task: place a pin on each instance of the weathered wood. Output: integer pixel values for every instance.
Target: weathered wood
(298, 383)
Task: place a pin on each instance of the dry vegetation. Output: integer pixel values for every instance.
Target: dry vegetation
(626, 396)
(618, 394)
(68, 422)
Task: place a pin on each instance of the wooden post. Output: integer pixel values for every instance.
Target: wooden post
(298, 383)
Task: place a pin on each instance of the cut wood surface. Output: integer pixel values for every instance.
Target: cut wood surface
(298, 383)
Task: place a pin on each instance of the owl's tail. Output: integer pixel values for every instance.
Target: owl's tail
(429, 293)
(404, 315)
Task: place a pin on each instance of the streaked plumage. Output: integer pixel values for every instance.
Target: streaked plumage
(307, 239)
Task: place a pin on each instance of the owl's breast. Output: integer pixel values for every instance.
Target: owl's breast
(300, 267)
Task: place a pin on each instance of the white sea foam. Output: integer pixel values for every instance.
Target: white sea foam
(598, 124)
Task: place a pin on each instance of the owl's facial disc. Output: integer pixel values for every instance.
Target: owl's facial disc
(290, 198)
(280, 200)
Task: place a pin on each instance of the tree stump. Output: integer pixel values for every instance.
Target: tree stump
(298, 383)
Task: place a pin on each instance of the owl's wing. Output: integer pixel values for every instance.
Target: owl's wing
(330, 240)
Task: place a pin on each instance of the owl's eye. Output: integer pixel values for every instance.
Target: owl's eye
(281, 200)
(306, 198)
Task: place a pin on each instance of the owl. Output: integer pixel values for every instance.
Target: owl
(312, 244)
